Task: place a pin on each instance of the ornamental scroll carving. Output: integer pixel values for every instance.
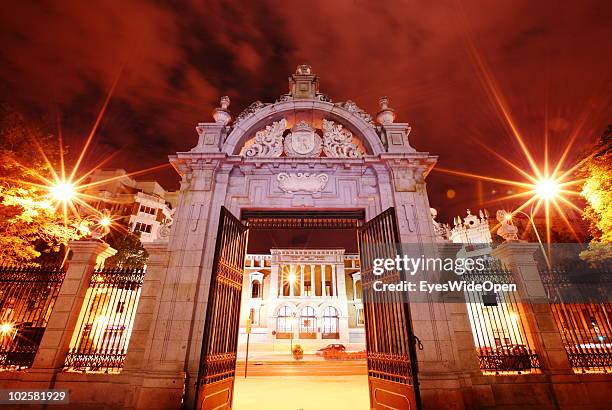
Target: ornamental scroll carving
(302, 182)
(269, 141)
(338, 141)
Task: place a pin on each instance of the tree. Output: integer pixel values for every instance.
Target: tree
(130, 252)
(597, 191)
(28, 217)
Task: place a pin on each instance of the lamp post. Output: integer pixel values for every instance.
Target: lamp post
(293, 319)
(291, 279)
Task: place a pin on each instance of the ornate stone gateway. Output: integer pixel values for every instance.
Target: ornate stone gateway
(300, 154)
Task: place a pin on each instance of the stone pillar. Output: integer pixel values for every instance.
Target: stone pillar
(334, 290)
(301, 280)
(86, 255)
(341, 281)
(322, 280)
(163, 389)
(313, 286)
(540, 324)
(274, 272)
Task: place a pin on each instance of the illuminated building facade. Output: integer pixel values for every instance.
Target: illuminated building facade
(141, 206)
(310, 295)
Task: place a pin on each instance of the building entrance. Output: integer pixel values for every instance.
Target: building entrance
(391, 356)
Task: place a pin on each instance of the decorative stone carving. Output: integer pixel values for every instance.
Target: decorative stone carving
(338, 142)
(303, 141)
(302, 182)
(351, 107)
(163, 232)
(269, 141)
(250, 110)
(221, 115)
(440, 230)
(507, 230)
(386, 115)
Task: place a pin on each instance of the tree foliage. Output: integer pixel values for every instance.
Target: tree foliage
(130, 252)
(28, 218)
(597, 191)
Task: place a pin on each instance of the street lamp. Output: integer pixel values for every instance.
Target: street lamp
(293, 319)
(6, 328)
(62, 191)
(546, 189)
(291, 279)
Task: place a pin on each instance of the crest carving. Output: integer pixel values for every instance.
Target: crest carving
(269, 141)
(338, 141)
(302, 181)
(303, 141)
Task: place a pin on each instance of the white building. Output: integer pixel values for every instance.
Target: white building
(142, 206)
(310, 296)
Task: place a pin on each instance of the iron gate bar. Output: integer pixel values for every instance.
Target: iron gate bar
(390, 341)
(579, 298)
(505, 315)
(220, 340)
(27, 297)
(105, 322)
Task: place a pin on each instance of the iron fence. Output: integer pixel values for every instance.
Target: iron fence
(579, 296)
(104, 327)
(502, 343)
(27, 297)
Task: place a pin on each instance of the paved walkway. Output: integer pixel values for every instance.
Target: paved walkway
(301, 393)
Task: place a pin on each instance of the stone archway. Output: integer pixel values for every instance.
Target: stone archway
(387, 173)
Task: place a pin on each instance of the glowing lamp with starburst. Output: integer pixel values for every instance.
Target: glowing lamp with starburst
(547, 189)
(62, 191)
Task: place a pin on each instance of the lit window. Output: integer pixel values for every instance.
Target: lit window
(308, 321)
(255, 289)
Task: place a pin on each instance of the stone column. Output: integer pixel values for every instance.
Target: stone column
(301, 280)
(322, 280)
(137, 364)
(541, 328)
(86, 255)
(313, 286)
(341, 281)
(274, 269)
(334, 290)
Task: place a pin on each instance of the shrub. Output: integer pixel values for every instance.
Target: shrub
(298, 352)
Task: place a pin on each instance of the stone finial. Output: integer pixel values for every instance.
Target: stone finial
(221, 115)
(386, 115)
(304, 83)
(507, 230)
(303, 69)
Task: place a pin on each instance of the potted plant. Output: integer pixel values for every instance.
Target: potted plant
(298, 352)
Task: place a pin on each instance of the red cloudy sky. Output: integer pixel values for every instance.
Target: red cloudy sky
(550, 59)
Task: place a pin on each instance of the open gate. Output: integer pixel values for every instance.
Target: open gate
(215, 384)
(390, 342)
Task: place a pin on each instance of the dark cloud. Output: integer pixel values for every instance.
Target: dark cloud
(176, 59)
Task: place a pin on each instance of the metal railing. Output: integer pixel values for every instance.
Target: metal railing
(27, 297)
(104, 327)
(502, 344)
(579, 296)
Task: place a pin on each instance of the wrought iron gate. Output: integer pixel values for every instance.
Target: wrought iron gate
(218, 358)
(390, 342)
